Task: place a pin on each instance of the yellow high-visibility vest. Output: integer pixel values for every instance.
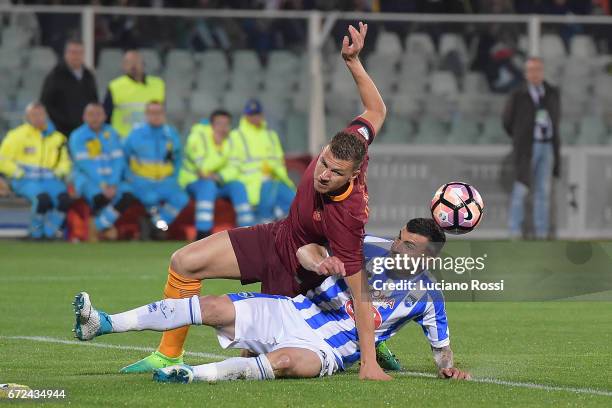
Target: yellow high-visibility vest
(130, 99)
(203, 155)
(262, 157)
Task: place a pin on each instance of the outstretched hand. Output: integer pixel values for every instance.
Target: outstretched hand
(351, 52)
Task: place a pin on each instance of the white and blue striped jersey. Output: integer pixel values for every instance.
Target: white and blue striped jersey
(328, 309)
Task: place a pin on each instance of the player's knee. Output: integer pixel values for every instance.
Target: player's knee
(43, 203)
(63, 202)
(176, 261)
(283, 362)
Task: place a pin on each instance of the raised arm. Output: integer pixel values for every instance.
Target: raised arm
(375, 109)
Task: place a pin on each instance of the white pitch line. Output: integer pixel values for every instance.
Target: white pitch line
(495, 381)
(544, 387)
(53, 340)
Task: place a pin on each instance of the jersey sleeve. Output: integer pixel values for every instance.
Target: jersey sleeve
(362, 127)
(345, 236)
(433, 321)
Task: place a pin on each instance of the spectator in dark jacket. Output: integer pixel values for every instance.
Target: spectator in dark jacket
(531, 118)
(68, 88)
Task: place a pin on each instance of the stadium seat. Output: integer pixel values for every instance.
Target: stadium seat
(25, 96)
(9, 81)
(413, 66)
(203, 103)
(245, 82)
(110, 59)
(573, 107)
(582, 46)
(296, 140)
(443, 83)
(592, 130)
(384, 77)
(301, 101)
(443, 108)
(234, 101)
(576, 67)
(343, 105)
(16, 37)
(42, 59)
(377, 59)
(282, 62)
(421, 44)
(388, 43)
(475, 83)
(493, 132)
(245, 61)
(10, 58)
(450, 42)
(474, 105)
(431, 131)
(275, 105)
(279, 84)
(463, 131)
(334, 124)
(405, 105)
(568, 133)
(213, 61)
(179, 62)
(212, 82)
(152, 61)
(396, 130)
(551, 46)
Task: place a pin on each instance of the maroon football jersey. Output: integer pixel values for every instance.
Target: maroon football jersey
(337, 222)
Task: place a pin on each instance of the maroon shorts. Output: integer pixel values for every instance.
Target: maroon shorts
(259, 260)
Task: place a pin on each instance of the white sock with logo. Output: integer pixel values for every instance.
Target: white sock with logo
(236, 368)
(162, 315)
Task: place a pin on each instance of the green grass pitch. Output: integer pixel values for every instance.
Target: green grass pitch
(520, 353)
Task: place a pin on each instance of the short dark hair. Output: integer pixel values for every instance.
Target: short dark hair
(427, 227)
(219, 112)
(349, 147)
(72, 40)
(155, 102)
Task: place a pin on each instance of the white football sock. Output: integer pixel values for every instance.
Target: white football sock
(236, 368)
(160, 316)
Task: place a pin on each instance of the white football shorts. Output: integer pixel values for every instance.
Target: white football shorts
(265, 323)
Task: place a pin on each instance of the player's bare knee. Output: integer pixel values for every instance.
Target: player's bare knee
(282, 364)
(176, 263)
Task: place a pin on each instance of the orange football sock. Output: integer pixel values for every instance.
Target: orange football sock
(177, 287)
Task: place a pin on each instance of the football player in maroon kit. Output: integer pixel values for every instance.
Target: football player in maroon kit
(330, 209)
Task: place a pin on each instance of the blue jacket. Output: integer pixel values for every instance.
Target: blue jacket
(154, 153)
(97, 157)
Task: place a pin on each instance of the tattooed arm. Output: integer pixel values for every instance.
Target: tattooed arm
(443, 357)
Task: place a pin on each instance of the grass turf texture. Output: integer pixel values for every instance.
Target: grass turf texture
(558, 344)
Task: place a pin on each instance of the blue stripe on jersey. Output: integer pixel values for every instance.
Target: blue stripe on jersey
(341, 338)
(332, 292)
(305, 304)
(348, 360)
(235, 297)
(324, 317)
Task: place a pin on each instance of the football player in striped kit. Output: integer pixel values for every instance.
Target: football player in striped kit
(305, 336)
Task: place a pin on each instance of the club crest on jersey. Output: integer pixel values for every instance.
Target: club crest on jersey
(363, 131)
(245, 295)
(316, 215)
(348, 306)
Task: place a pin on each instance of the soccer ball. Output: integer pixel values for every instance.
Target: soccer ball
(457, 207)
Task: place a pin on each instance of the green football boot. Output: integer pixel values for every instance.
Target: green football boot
(386, 359)
(151, 363)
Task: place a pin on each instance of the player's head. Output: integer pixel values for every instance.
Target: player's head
(36, 115)
(420, 236)
(94, 116)
(534, 70)
(74, 54)
(339, 162)
(253, 112)
(221, 122)
(155, 113)
(132, 64)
